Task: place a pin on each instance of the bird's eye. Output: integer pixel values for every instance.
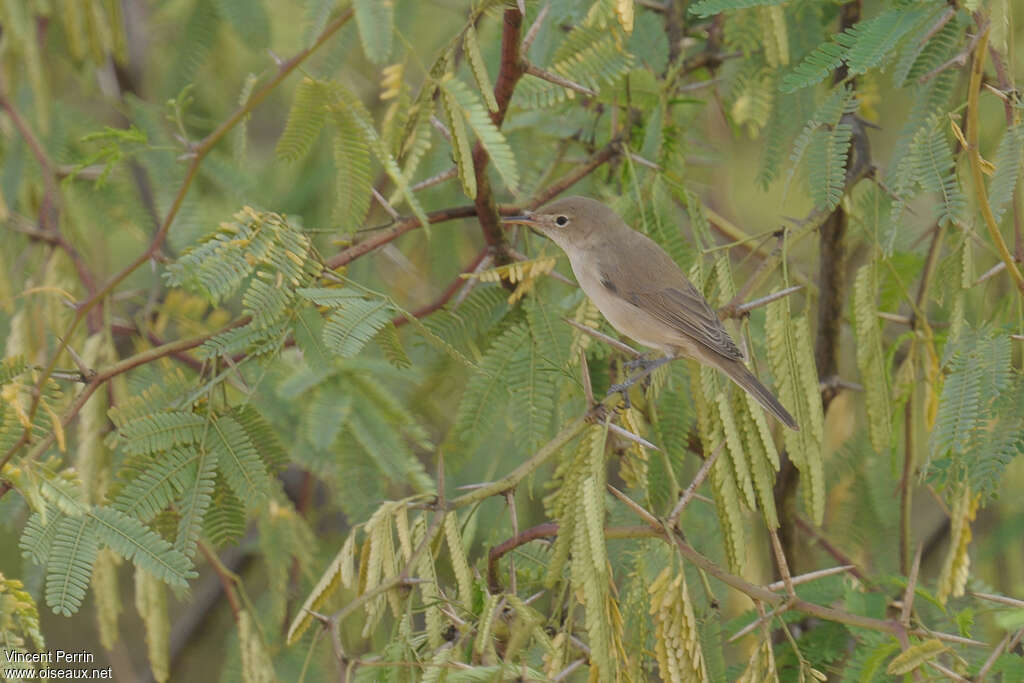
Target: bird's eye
(561, 221)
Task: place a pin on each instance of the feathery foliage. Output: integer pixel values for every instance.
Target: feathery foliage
(361, 364)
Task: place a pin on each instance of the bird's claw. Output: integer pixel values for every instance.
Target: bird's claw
(623, 389)
(640, 362)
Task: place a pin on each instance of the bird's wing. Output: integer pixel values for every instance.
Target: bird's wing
(662, 290)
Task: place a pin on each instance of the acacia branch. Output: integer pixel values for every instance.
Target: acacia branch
(769, 597)
(198, 153)
(974, 153)
(409, 223)
(827, 545)
(49, 222)
(224, 575)
(458, 283)
(1006, 85)
(509, 73)
(108, 373)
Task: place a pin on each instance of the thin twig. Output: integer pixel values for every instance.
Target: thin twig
(746, 308)
(691, 490)
(198, 153)
(991, 272)
(227, 578)
(385, 204)
(909, 593)
(601, 336)
(835, 382)
(451, 290)
(974, 153)
(651, 520)
(1006, 644)
(837, 554)
(1002, 599)
(564, 673)
(540, 73)
(782, 562)
(511, 479)
(49, 222)
(621, 431)
(949, 673)
(811, 576)
(588, 388)
(436, 179)
(958, 60)
(939, 23)
(764, 618)
(531, 33)
(106, 374)
(440, 216)
(763, 594)
(440, 127)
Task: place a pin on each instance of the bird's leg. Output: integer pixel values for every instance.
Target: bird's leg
(638, 362)
(647, 367)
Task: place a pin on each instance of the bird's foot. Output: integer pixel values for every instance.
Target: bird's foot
(638, 363)
(622, 388)
(646, 366)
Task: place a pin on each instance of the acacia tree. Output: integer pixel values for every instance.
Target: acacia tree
(267, 332)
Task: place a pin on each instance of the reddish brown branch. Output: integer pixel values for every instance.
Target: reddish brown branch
(511, 70)
(447, 294)
(512, 65)
(546, 530)
(826, 545)
(227, 580)
(406, 224)
(403, 226)
(556, 188)
(49, 209)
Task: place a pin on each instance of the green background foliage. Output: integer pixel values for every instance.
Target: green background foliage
(282, 399)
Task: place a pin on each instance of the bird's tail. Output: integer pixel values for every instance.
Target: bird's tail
(739, 373)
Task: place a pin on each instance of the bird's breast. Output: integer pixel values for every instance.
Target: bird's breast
(624, 316)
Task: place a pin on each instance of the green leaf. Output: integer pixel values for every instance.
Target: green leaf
(155, 486)
(194, 502)
(792, 360)
(871, 40)
(461, 150)
(826, 164)
(487, 391)
(479, 67)
(1007, 161)
(349, 329)
(69, 564)
(249, 19)
(354, 184)
(132, 540)
(162, 431)
(915, 656)
(374, 19)
(706, 8)
(871, 357)
(238, 460)
(486, 132)
(305, 120)
(346, 100)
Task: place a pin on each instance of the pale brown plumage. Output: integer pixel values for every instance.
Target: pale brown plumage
(642, 292)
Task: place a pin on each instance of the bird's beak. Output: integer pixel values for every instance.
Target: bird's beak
(525, 218)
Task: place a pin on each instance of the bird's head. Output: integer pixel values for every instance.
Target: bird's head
(569, 222)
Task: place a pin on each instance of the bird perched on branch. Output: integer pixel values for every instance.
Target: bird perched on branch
(643, 293)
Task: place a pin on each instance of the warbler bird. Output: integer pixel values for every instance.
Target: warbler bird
(643, 293)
